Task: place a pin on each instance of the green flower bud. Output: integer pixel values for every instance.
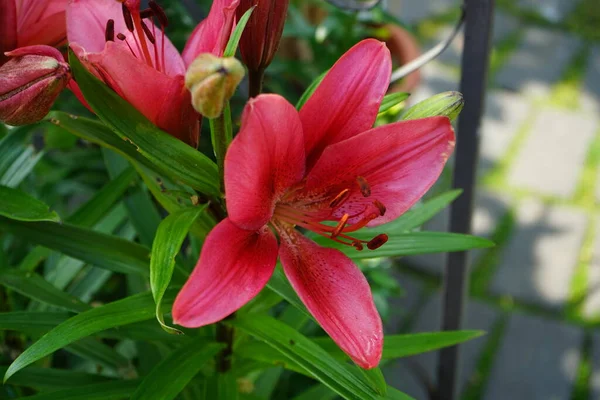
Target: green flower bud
(447, 104)
(212, 81)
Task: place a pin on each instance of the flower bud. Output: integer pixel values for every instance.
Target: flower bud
(447, 104)
(212, 81)
(262, 34)
(30, 82)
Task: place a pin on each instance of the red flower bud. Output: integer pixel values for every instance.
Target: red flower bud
(261, 37)
(30, 82)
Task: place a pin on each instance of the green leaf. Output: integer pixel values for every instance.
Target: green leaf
(307, 355)
(17, 157)
(395, 394)
(411, 243)
(316, 392)
(129, 310)
(182, 162)
(235, 37)
(104, 251)
(15, 204)
(35, 287)
(31, 322)
(172, 375)
(392, 100)
(115, 390)
(310, 90)
(280, 285)
(447, 104)
(169, 237)
(52, 379)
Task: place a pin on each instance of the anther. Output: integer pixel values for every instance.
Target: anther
(377, 241)
(121, 37)
(365, 189)
(340, 198)
(340, 226)
(357, 245)
(380, 207)
(109, 32)
(149, 34)
(159, 13)
(147, 13)
(128, 18)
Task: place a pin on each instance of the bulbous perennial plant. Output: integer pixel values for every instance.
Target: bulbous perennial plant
(326, 170)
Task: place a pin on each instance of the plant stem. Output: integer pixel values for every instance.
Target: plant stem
(221, 135)
(225, 335)
(255, 79)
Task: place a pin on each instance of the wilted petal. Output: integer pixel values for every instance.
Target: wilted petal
(234, 266)
(399, 161)
(337, 295)
(264, 160)
(211, 35)
(347, 100)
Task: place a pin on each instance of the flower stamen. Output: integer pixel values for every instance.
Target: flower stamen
(340, 199)
(364, 186)
(109, 32)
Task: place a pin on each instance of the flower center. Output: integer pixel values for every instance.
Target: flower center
(144, 37)
(297, 215)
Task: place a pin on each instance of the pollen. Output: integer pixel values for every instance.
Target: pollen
(363, 185)
(377, 241)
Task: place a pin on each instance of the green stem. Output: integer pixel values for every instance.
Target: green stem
(221, 135)
(225, 335)
(255, 79)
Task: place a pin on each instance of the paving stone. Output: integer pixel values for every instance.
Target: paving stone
(538, 360)
(554, 10)
(489, 208)
(504, 25)
(538, 62)
(541, 257)
(434, 79)
(412, 12)
(505, 113)
(590, 98)
(479, 316)
(592, 301)
(551, 159)
(402, 306)
(595, 378)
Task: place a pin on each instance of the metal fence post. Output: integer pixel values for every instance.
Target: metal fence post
(475, 61)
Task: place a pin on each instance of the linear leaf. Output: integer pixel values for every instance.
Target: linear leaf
(15, 204)
(310, 90)
(182, 162)
(236, 35)
(169, 237)
(35, 287)
(129, 310)
(104, 251)
(307, 355)
(392, 100)
(172, 375)
(52, 378)
(115, 390)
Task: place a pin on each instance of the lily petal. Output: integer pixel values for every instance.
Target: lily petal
(234, 266)
(162, 99)
(347, 100)
(211, 35)
(337, 295)
(400, 162)
(263, 161)
(8, 28)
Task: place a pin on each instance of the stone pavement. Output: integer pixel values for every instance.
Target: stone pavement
(537, 294)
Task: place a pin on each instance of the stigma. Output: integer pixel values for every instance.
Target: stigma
(297, 214)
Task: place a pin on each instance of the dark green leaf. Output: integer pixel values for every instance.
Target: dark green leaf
(280, 285)
(310, 90)
(169, 377)
(104, 251)
(182, 162)
(114, 390)
(52, 379)
(129, 310)
(35, 287)
(17, 156)
(31, 322)
(167, 243)
(307, 355)
(15, 204)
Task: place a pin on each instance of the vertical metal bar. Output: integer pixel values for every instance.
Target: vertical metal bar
(475, 61)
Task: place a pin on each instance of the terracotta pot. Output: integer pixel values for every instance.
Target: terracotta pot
(404, 48)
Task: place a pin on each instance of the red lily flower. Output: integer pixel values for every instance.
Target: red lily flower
(120, 44)
(325, 163)
(31, 22)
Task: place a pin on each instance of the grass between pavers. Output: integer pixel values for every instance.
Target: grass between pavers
(581, 388)
(566, 92)
(475, 389)
(579, 282)
(502, 51)
(585, 193)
